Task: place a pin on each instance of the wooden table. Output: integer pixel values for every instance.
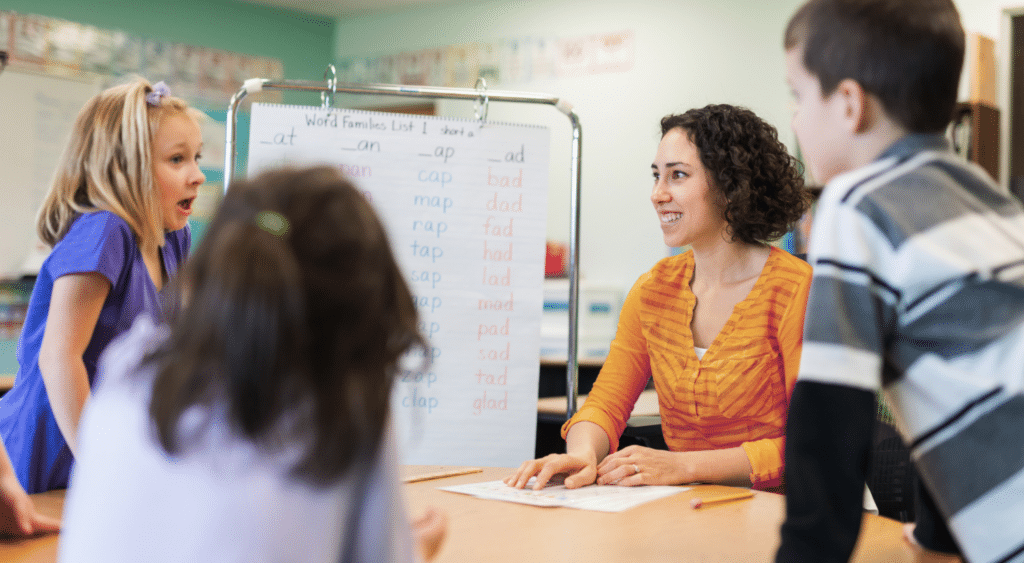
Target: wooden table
(40, 549)
(645, 412)
(646, 404)
(743, 531)
(560, 361)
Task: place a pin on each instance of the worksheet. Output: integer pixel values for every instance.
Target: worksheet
(602, 498)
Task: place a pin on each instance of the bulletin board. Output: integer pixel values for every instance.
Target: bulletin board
(465, 206)
(37, 112)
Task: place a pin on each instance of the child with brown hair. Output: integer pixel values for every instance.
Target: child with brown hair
(256, 426)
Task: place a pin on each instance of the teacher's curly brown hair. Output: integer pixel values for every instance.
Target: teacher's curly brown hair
(760, 183)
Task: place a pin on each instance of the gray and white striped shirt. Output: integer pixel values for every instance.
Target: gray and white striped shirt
(918, 290)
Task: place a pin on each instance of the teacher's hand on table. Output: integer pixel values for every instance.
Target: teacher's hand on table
(635, 465)
(580, 471)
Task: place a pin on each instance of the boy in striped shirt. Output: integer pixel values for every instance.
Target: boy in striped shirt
(918, 288)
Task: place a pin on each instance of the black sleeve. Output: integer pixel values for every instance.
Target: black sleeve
(931, 531)
(828, 446)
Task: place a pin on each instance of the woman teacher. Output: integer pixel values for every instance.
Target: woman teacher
(718, 327)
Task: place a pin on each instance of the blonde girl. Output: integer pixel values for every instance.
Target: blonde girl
(116, 216)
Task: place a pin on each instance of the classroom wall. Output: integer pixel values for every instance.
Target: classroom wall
(688, 53)
(301, 41)
(986, 17)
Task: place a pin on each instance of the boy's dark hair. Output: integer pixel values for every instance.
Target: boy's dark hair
(908, 53)
(759, 181)
(293, 322)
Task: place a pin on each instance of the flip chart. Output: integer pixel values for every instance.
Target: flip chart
(465, 207)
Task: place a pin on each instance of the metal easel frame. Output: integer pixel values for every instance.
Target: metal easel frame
(482, 98)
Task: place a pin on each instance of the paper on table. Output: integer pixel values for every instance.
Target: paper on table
(603, 498)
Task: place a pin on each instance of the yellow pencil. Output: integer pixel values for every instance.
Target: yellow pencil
(699, 502)
(453, 472)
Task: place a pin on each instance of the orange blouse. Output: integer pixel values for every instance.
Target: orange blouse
(738, 394)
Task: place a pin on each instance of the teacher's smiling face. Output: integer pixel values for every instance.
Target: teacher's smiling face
(691, 210)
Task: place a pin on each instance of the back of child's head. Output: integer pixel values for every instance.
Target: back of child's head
(107, 163)
(294, 319)
(907, 53)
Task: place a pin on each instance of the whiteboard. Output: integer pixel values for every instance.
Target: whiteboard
(37, 112)
(465, 206)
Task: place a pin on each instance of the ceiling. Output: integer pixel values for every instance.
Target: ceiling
(342, 8)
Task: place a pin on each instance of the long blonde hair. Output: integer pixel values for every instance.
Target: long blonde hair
(107, 165)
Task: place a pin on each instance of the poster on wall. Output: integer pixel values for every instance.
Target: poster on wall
(65, 48)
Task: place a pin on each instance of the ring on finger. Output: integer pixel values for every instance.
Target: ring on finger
(635, 469)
